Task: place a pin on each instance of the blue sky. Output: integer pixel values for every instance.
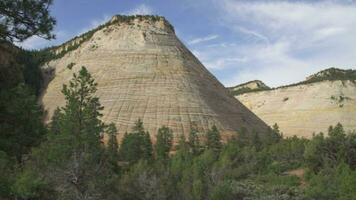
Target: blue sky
(278, 42)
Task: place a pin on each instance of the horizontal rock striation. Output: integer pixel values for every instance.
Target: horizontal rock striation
(144, 71)
(307, 107)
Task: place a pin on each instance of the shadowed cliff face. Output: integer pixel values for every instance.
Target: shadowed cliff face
(144, 71)
(309, 106)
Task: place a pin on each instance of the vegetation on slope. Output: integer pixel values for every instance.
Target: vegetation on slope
(68, 160)
(331, 74)
(75, 42)
(245, 88)
(72, 163)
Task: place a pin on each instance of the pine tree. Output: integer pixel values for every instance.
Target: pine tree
(256, 141)
(136, 145)
(193, 141)
(73, 160)
(112, 147)
(213, 139)
(55, 123)
(22, 19)
(277, 135)
(243, 138)
(147, 147)
(182, 143)
(163, 143)
(21, 126)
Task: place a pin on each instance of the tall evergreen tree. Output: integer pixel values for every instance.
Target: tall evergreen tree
(213, 139)
(112, 147)
(193, 141)
(21, 125)
(73, 161)
(243, 137)
(55, 125)
(163, 143)
(136, 145)
(277, 135)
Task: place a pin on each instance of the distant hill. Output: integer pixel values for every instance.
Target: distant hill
(251, 86)
(332, 74)
(323, 99)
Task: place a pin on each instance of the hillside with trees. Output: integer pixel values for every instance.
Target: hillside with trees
(68, 158)
(72, 162)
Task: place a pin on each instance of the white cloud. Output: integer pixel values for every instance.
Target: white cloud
(253, 33)
(141, 9)
(202, 39)
(292, 40)
(36, 42)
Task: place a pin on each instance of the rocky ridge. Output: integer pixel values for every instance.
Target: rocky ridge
(308, 107)
(251, 86)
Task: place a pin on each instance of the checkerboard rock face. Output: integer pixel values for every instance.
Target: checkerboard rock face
(145, 72)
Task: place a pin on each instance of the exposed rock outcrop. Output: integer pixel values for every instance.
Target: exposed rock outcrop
(144, 71)
(324, 99)
(251, 86)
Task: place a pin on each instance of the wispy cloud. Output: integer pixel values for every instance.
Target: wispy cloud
(253, 33)
(284, 40)
(202, 39)
(141, 9)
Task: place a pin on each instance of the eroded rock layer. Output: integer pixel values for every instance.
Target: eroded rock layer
(306, 108)
(144, 71)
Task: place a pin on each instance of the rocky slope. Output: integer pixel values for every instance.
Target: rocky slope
(310, 106)
(251, 86)
(144, 71)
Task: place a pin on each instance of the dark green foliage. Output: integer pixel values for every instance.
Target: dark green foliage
(163, 143)
(31, 70)
(287, 154)
(136, 145)
(21, 19)
(112, 147)
(21, 125)
(19, 67)
(213, 139)
(330, 151)
(7, 175)
(332, 183)
(194, 142)
(55, 124)
(70, 65)
(71, 45)
(331, 74)
(20, 121)
(72, 162)
(331, 161)
(244, 90)
(275, 135)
